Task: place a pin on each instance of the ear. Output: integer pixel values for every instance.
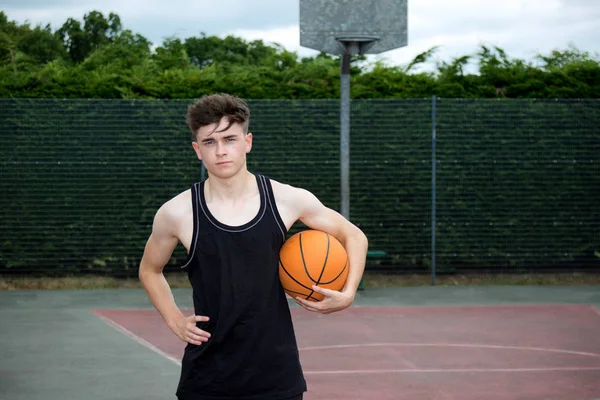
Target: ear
(248, 140)
(196, 147)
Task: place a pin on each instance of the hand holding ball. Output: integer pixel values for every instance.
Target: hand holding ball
(312, 258)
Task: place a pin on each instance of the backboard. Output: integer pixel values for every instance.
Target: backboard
(377, 25)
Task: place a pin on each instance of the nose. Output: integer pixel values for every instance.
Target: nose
(221, 149)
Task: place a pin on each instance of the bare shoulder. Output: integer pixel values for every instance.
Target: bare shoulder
(281, 190)
(294, 203)
(288, 194)
(174, 212)
(167, 229)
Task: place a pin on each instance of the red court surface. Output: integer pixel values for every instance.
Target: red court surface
(479, 352)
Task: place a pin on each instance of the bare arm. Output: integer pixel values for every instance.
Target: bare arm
(315, 215)
(158, 251)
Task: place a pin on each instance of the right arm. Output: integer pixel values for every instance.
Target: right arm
(158, 251)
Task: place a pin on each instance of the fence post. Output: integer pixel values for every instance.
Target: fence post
(433, 185)
(345, 135)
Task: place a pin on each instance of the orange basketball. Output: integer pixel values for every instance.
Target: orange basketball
(312, 258)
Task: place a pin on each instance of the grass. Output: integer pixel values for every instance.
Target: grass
(178, 280)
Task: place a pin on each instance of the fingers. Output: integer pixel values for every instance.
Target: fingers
(305, 303)
(323, 291)
(333, 301)
(312, 305)
(194, 335)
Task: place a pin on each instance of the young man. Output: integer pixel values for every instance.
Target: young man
(240, 340)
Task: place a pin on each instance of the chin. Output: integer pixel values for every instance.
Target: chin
(224, 173)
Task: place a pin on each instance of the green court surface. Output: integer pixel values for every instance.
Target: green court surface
(54, 347)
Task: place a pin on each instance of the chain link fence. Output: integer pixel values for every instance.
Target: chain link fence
(451, 184)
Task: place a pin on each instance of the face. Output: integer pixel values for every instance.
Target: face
(223, 152)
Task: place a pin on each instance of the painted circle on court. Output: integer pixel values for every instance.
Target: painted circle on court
(373, 358)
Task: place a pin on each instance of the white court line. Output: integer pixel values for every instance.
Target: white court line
(138, 339)
(451, 370)
(485, 346)
(594, 309)
(150, 346)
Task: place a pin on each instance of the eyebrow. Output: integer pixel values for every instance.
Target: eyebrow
(226, 137)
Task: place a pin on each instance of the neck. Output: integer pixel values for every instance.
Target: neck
(236, 187)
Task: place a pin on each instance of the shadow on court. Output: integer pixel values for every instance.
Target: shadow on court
(405, 343)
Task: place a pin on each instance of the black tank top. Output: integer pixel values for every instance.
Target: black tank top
(252, 352)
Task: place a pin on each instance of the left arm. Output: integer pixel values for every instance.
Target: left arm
(316, 216)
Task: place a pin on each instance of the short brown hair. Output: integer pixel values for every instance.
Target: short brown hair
(210, 109)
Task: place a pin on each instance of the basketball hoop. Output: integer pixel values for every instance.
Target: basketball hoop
(353, 45)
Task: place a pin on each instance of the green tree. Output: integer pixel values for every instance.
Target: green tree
(207, 50)
(172, 54)
(573, 73)
(23, 47)
(96, 31)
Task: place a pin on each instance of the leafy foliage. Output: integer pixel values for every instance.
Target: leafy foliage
(98, 58)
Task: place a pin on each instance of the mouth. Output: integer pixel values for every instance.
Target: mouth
(224, 163)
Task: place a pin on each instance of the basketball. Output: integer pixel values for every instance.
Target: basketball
(310, 258)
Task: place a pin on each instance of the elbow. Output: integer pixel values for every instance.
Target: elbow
(143, 272)
(365, 241)
(148, 272)
(360, 238)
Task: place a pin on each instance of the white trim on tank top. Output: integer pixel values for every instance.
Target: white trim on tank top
(195, 229)
(272, 207)
(210, 217)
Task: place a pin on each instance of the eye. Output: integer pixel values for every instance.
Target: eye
(231, 139)
(208, 142)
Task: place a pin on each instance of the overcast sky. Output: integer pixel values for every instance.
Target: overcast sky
(523, 28)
